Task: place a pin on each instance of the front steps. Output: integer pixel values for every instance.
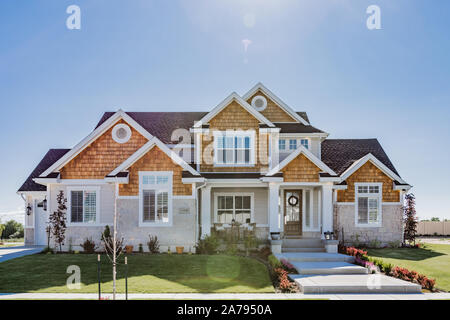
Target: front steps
(321, 272)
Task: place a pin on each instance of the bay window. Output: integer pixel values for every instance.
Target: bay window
(155, 198)
(234, 148)
(368, 204)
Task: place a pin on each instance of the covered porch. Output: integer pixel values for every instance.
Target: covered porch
(272, 209)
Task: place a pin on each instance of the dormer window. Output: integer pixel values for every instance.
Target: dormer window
(305, 143)
(282, 144)
(292, 144)
(234, 148)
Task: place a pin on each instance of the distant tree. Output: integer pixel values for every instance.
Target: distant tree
(435, 219)
(12, 229)
(410, 218)
(57, 221)
(2, 227)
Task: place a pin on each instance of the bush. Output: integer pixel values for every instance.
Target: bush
(153, 244)
(231, 249)
(288, 266)
(47, 250)
(141, 248)
(283, 281)
(274, 262)
(265, 252)
(207, 245)
(352, 251)
(88, 246)
(413, 276)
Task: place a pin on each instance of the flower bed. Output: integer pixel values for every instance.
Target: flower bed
(279, 273)
(377, 265)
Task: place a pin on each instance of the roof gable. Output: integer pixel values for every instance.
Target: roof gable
(98, 132)
(273, 111)
(294, 155)
(154, 142)
(227, 101)
(371, 158)
(260, 87)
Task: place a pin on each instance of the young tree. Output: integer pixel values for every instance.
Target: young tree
(410, 218)
(57, 220)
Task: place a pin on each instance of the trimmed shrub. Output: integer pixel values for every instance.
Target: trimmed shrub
(88, 246)
(274, 262)
(153, 244)
(207, 245)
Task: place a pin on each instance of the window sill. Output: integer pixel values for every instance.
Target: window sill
(155, 224)
(85, 224)
(371, 225)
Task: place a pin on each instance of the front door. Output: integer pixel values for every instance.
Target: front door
(292, 212)
(41, 218)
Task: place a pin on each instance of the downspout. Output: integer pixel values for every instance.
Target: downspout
(197, 225)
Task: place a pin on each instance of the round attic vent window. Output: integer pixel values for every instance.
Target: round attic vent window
(121, 133)
(259, 103)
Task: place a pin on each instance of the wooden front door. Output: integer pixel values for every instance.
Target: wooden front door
(293, 212)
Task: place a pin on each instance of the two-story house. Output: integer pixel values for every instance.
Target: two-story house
(179, 175)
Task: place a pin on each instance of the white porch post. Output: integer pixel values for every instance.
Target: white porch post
(206, 211)
(274, 193)
(327, 208)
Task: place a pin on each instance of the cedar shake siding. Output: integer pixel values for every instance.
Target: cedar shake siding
(272, 112)
(234, 117)
(155, 160)
(369, 173)
(301, 169)
(102, 156)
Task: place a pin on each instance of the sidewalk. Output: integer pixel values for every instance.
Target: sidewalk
(225, 296)
(9, 253)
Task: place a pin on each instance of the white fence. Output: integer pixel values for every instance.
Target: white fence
(430, 228)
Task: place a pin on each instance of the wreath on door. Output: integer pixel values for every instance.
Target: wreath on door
(293, 201)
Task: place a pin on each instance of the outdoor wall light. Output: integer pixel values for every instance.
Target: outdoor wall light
(328, 235)
(28, 210)
(44, 204)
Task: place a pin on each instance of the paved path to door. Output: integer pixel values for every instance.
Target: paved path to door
(224, 296)
(9, 253)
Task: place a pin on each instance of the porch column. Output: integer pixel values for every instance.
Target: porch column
(327, 208)
(206, 211)
(274, 194)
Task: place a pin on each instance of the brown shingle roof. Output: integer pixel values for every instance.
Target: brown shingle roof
(339, 154)
(162, 124)
(50, 158)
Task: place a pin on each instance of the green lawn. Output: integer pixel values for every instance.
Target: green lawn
(433, 260)
(147, 274)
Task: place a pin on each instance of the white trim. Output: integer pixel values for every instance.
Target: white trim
(378, 195)
(168, 187)
(192, 180)
(147, 147)
(278, 101)
(116, 128)
(233, 134)
(311, 211)
(233, 194)
(93, 136)
(340, 187)
(370, 157)
(301, 184)
(272, 179)
(329, 179)
(225, 103)
(128, 197)
(345, 203)
(392, 204)
(97, 190)
(303, 135)
(294, 154)
(402, 187)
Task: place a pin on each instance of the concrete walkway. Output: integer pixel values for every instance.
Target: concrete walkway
(9, 253)
(224, 296)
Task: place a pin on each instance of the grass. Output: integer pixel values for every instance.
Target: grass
(11, 242)
(147, 274)
(432, 260)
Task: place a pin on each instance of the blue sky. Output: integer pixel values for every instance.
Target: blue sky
(143, 55)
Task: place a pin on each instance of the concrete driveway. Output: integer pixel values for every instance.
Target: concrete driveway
(9, 253)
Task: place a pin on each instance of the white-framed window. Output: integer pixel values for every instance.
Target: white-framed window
(292, 144)
(368, 200)
(236, 207)
(155, 198)
(83, 205)
(234, 148)
(305, 143)
(282, 144)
